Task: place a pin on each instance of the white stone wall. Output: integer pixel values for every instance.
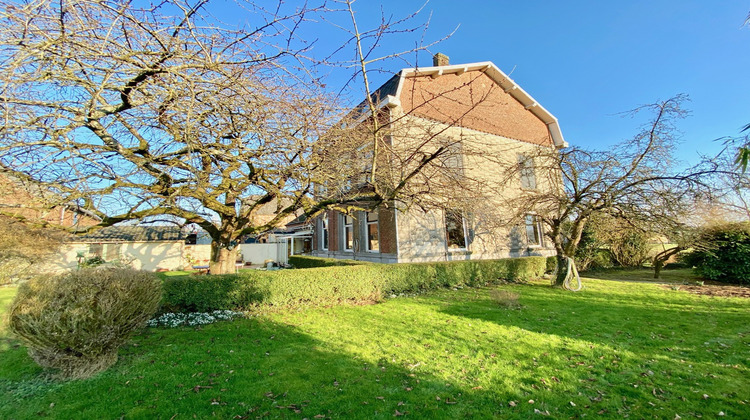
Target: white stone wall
(149, 256)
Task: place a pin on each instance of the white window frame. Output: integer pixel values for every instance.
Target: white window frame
(463, 228)
(531, 221)
(348, 228)
(369, 222)
(324, 238)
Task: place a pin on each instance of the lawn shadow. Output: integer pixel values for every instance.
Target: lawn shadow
(252, 368)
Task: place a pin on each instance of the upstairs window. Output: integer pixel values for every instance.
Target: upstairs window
(533, 230)
(324, 233)
(528, 177)
(348, 233)
(455, 229)
(373, 234)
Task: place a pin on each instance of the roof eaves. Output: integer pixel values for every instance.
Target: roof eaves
(502, 79)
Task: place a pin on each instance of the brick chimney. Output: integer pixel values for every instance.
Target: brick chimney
(440, 59)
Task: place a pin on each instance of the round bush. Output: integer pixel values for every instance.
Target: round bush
(75, 322)
(725, 254)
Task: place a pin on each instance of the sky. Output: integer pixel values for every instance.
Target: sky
(587, 62)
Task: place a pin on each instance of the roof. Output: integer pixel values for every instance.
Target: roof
(387, 96)
(133, 234)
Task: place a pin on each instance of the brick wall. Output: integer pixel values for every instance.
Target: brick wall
(472, 100)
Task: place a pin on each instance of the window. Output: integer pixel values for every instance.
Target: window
(96, 249)
(348, 233)
(533, 230)
(528, 177)
(113, 252)
(455, 229)
(324, 233)
(373, 239)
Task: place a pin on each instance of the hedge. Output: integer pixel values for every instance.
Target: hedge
(298, 261)
(326, 286)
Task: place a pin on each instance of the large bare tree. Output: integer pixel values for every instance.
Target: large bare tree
(637, 181)
(143, 110)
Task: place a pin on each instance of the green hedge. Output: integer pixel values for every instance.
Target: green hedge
(325, 286)
(298, 261)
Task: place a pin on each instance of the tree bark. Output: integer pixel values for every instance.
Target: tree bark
(222, 258)
(562, 270)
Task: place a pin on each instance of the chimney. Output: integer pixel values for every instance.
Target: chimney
(440, 59)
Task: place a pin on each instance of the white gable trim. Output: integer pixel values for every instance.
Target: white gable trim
(502, 79)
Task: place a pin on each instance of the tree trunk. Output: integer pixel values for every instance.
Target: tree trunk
(663, 257)
(222, 258)
(658, 264)
(562, 270)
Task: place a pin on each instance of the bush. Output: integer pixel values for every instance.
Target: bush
(75, 322)
(630, 249)
(550, 264)
(505, 298)
(726, 254)
(332, 285)
(312, 262)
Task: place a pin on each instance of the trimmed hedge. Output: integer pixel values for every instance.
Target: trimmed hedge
(332, 285)
(298, 261)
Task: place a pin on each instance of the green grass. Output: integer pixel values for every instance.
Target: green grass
(615, 349)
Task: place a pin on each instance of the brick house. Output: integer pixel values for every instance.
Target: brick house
(24, 200)
(506, 118)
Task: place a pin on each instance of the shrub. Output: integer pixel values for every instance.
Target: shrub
(551, 264)
(726, 254)
(299, 261)
(505, 298)
(94, 261)
(630, 248)
(75, 322)
(336, 284)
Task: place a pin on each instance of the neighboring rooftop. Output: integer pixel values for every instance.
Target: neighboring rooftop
(133, 234)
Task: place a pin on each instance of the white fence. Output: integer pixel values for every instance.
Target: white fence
(258, 253)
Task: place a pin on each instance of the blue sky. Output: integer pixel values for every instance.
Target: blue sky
(589, 61)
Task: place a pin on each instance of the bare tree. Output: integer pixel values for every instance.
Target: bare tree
(635, 181)
(160, 110)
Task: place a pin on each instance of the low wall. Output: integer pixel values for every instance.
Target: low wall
(152, 256)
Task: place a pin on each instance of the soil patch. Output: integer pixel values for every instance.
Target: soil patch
(721, 290)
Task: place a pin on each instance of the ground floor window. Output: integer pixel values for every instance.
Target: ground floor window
(533, 230)
(373, 237)
(324, 232)
(348, 233)
(455, 229)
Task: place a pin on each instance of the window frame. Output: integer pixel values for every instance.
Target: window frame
(368, 223)
(464, 230)
(532, 221)
(527, 173)
(324, 237)
(348, 229)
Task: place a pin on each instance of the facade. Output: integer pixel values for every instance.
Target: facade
(465, 103)
(24, 200)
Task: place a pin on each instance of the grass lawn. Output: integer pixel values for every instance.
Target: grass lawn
(616, 349)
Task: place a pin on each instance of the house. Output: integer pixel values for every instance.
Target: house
(142, 247)
(458, 102)
(25, 200)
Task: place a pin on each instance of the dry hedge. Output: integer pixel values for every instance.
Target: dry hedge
(75, 322)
